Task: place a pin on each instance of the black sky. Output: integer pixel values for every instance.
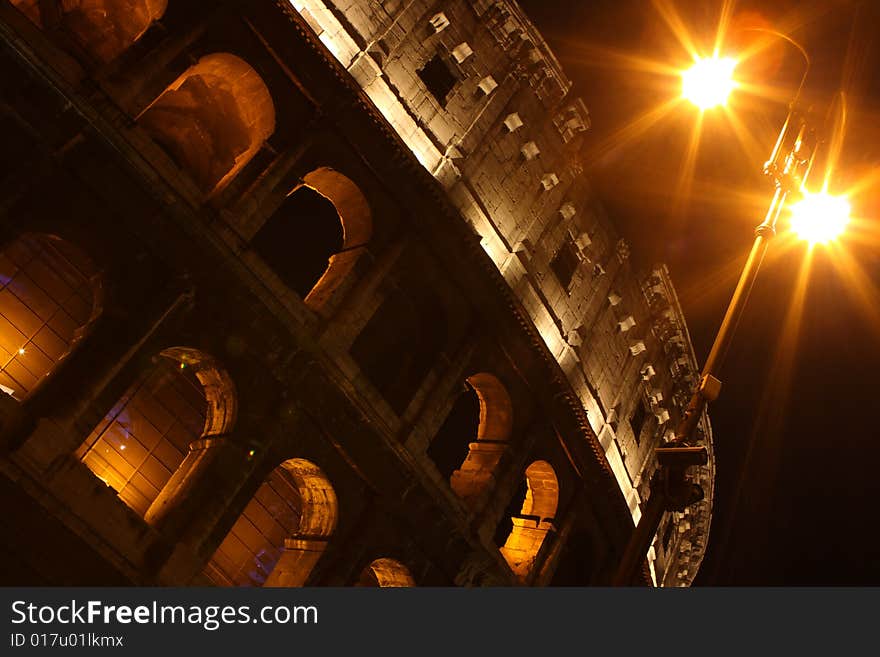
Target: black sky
(797, 440)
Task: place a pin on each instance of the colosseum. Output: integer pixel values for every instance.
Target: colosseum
(316, 293)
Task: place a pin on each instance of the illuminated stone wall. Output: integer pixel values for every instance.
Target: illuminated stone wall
(425, 163)
(504, 141)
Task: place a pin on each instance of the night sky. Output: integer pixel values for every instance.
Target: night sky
(796, 436)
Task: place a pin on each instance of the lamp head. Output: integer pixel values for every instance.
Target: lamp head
(709, 81)
(820, 217)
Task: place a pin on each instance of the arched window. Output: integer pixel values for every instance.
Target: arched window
(483, 411)
(213, 119)
(50, 296)
(386, 573)
(104, 28)
(534, 520)
(402, 341)
(282, 532)
(314, 239)
(139, 444)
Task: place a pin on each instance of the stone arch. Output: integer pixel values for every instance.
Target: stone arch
(283, 531)
(475, 473)
(184, 399)
(534, 520)
(496, 410)
(315, 238)
(222, 401)
(349, 200)
(51, 295)
(104, 28)
(212, 119)
(386, 573)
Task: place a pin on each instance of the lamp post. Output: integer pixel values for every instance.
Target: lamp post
(708, 84)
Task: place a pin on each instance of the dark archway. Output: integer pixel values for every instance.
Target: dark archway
(449, 447)
(469, 446)
(315, 238)
(299, 238)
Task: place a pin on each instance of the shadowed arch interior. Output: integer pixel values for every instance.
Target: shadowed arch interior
(104, 28)
(314, 238)
(482, 411)
(534, 520)
(185, 396)
(213, 119)
(282, 532)
(449, 447)
(50, 297)
(386, 573)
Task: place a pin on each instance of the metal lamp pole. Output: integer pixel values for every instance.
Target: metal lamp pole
(671, 490)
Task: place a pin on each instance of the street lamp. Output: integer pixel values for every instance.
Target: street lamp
(709, 82)
(817, 217)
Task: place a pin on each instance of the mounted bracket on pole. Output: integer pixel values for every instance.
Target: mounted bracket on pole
(710, 387)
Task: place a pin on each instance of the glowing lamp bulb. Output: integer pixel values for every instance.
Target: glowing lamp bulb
(709, 81)
(819, 218)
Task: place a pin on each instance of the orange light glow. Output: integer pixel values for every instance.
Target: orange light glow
(820, 218)
(709, 82)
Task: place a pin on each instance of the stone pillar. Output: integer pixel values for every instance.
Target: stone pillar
(477, 473)
(191, 501)
(522, 546)
(296, 562)
(140, 84)
(264, 196)
(550, 560)
(361, 300)
(15, 423)
(343, 271)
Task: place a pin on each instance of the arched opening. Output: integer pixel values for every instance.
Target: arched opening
(534, 519)
(400, 344)
(50, 297)
(482, 411)
(299, 238)
(449, 447)
(140, 443)
(281, 534)
(313, 240)
(213, 119)
(104, 28)
(386, 573)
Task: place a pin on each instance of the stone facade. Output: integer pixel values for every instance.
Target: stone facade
(323, 441)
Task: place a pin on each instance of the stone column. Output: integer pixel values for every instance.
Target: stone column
(477, 473)
(191, 501)
(297, 561)
(15, 424)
